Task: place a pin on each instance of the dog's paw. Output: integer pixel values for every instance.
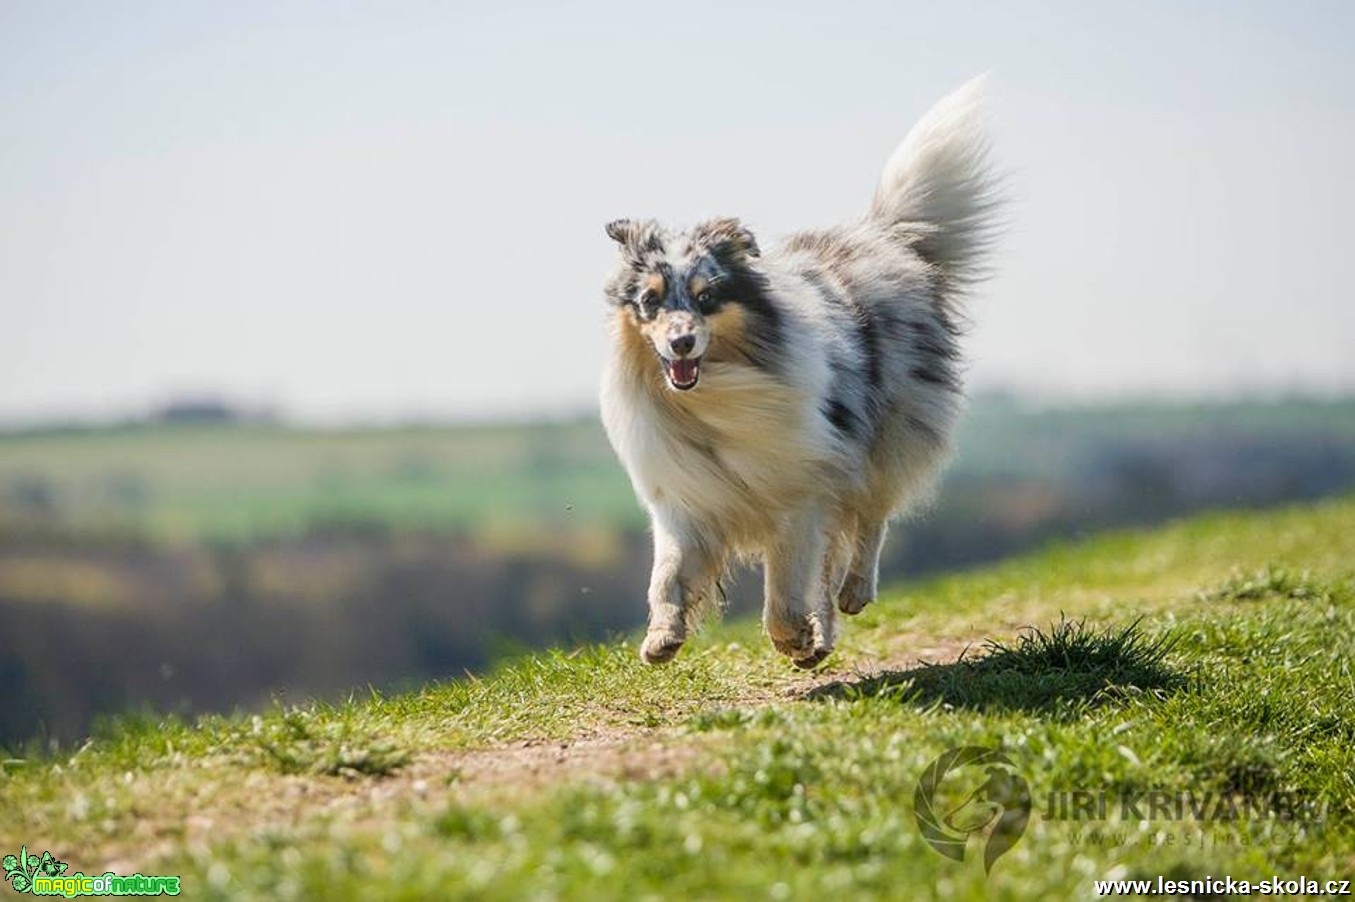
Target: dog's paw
(854, 595)
(804, 645)
(814, 658)
(793, 642)
(661, 646)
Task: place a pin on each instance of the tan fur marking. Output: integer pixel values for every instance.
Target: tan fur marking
(637, 337)
(638, 353)
(655, 283)
(729, 335)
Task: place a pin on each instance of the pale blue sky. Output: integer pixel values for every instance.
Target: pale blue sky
(391, 210)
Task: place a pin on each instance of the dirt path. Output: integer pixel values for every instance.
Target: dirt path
(216, 810)
(620, 753)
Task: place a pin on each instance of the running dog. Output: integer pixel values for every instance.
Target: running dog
(784, 405)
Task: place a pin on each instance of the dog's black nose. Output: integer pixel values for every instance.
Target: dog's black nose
(683, 344)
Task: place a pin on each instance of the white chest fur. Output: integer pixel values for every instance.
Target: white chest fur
(734, 453)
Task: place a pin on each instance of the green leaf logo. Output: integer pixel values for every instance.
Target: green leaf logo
(22, 869)
(51, 867)
(18, 872)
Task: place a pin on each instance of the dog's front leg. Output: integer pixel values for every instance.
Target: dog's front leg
(797, 612)
(684, 571)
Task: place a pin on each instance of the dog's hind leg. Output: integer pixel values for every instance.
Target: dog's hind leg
(840, 544)
(862, 582)
(797, 613)
(684, 578)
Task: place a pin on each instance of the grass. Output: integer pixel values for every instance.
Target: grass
(1059, 670)
(326, 742)
(1204, 668)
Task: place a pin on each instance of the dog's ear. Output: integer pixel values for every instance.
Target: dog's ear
(725, 236)
(636, 238)
(621, 231)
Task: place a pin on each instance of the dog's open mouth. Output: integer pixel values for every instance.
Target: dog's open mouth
(682, 374)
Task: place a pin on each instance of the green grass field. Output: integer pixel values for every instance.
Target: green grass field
(189, 483)
(1209, 660)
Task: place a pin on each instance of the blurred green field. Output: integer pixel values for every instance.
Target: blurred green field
(464, 540)
(183, 483)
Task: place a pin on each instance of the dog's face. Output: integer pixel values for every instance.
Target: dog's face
(679, 292)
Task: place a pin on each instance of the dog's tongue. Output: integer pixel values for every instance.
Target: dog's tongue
(683, 371)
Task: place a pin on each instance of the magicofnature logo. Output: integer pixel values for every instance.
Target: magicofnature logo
(22, 869)
(45, 876)
(971, 791)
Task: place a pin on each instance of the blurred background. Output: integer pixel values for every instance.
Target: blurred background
(301, 318)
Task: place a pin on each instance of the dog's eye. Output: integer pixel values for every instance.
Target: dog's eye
(704, 298)
(649, 301)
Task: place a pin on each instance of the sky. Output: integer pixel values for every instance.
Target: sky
(371, 212)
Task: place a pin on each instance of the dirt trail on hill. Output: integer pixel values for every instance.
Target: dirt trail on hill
(264, 802)
(625, 752)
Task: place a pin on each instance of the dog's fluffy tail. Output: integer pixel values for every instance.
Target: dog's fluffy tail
(938, 192)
